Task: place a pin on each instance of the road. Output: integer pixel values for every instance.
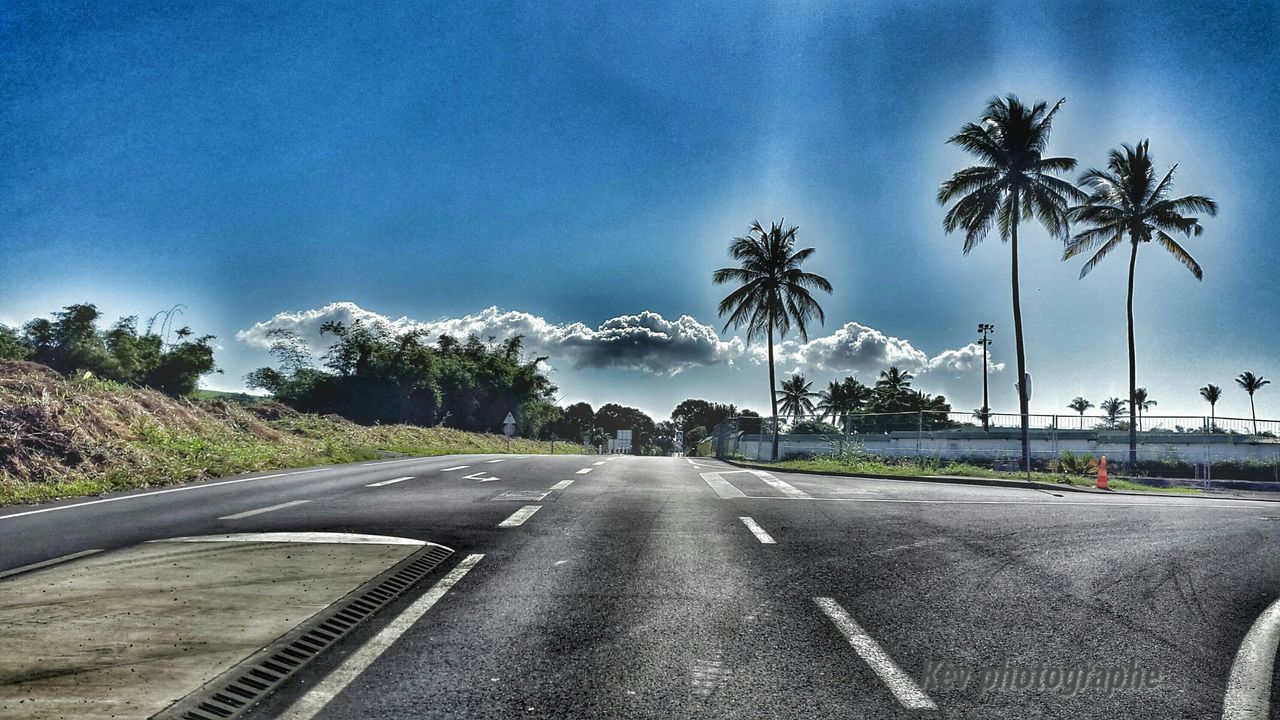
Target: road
(672, 587)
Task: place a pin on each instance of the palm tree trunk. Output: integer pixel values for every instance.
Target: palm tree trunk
(1254, 414)
(1213, 417)
(1133, 367)
(1023, 405)
(773, 396)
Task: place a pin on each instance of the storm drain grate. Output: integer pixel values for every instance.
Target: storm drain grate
(236, 690)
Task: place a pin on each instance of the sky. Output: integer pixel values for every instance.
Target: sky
(575, 172)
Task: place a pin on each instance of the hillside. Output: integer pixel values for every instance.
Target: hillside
(64, 436)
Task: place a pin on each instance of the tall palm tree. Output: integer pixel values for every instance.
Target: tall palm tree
(1079, 404)
(1143, 403)
(894, 382)
(1252, 384)
(1212, 394)
(1129, 202)
(796, 397)
(1112, 406)
(773, 292)
(1013, 182)
(833, 402)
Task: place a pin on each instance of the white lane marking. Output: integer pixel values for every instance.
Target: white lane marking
(598, 463)
(562, 485)
(494, 461)
(160, 492)
(259, 511)
(518, 517)
(1218, 504)
(456, 467)
(392, 462)
(584, 471)
(723, 488)
(784, 487)
(900, 684)
(392, 481)
(309, 705)
(322, 538)
(479, 476)
(764, 537)
(1249, 685)
(47, 563)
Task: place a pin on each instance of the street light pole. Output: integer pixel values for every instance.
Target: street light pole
(986, 329)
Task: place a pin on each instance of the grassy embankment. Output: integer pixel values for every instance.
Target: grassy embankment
(62, 437)
(909, 467)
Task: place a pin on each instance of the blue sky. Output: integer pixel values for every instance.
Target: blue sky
(572, 165)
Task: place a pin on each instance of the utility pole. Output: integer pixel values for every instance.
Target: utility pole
(986, 329)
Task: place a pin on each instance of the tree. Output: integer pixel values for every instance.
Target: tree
(1112, 406)
(1128, 202)
(894, 382)
(11, 346)
(695, 413)
(1212, 394)
(1014, 182)
(576, 421)
(773, 292)
(796, 397)
(1142, 402)
(612, 417)
(1251, 384)
(1080, 405)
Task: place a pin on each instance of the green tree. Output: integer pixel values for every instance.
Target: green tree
(796, 397)
(1251, 384)
(773, 292)
(1013, 182)
(612, 417)
(1080, 405)
(11, 345)
(1128, 202)
(1112, 406)
(578, 419)
(1212, 394)
(1143, 402)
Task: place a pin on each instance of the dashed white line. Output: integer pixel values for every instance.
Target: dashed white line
(259, 511)
(764, 537)
(309, 705)
(518, 517)
(1249, 685)
(392, 481)
(488, 462)
(47, 563)
(598, 463)
(456, 467)
(584, 471)
(562, 485)
(899, 683)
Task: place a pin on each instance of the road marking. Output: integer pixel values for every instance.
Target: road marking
(518, 517)
(456, 467)
(562, 485)
(479, 476)
(900, 684)
(390, 482)
(598, 463)
(309, 705)
(47, 563)
(764, 537)
(322, 538)
(723, 488)
(487, 462)
(785, 488)
(159, 492)
(391, 462)
(584, 471)
(259, 511)
(1249, 685)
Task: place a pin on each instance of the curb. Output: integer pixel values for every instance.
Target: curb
(991, 482)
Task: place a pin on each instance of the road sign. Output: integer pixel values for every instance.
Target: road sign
(624, 441)
(509, 425)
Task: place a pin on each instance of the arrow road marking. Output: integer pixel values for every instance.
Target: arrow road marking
(479, 476)
(900, 684)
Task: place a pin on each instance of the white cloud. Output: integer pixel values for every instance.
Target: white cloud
(857, 349)
(645, 342)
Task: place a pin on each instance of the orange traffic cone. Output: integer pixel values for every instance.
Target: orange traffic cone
(1102, 473)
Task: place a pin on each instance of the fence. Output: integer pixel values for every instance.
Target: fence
(1168, 446)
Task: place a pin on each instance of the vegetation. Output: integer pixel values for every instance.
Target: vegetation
(796, 396)
(1212, 394)
(1126, 201)
(1251, 384)
(1015, 181)
(773, 292)
(1112, 406)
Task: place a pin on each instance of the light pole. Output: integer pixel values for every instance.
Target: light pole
(986, 329)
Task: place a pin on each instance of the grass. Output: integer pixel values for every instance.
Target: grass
(858, 463)
(67, 437)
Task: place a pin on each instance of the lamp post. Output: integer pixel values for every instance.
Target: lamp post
(986, 329)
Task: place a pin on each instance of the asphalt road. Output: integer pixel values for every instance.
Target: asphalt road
(638, 590)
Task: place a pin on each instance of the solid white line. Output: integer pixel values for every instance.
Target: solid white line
(1249, 685)
(764, 537)
(598, 463)
(784, 487)
(1218, 504)
(900, 684)
(390, 482)
(584, 471)
(494, 461)
(335, 682)
(391, 462)
(518, 517)
(723, 488)
(459, 467)
(47, 563)
(259, 511)
(562, 485)
(322, 538)
(160, 492)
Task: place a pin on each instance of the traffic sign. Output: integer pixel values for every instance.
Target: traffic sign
(509, 425)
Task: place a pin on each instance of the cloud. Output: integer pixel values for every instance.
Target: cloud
(855, 348)
(645, 342)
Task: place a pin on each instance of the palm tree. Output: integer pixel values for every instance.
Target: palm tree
(831, 401)
(1079, 404)
(1212, 394)
(894, 382)
(773, 292)
(1112, 407)
(795, 396)
(1252, 384)
(1013, 182)
(1127, 201)
(1143, 404)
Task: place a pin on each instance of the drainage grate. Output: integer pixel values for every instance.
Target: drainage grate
(236, 690)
